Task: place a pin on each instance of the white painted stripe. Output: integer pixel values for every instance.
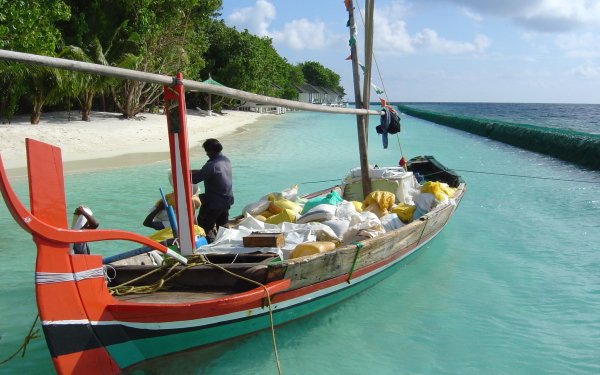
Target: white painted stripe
(60, 277)
(185, 241)
(64, 322)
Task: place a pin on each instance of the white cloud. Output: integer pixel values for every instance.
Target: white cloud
(579, 45)
(471, 14)
(430, 41)
(300, 34)
(586, 70)
(540, 15)
(256, 19)
(303, 34)
(391, 31)
(393, 36)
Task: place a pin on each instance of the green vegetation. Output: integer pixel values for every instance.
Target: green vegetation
(318, 75)
(159, 36)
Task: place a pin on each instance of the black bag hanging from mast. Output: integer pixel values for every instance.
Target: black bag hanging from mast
(389, 124)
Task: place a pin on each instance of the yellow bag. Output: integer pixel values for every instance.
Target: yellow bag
(274, 209)
(283, 204)
(358, 206)
(440, 190)
(266, 213)
(404, 211)
(285, 215)
(450, 191)
(170, 197)
(310, 248)
(167, 233)
(384, 199)
(374, 208)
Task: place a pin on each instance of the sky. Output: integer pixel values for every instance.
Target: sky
(525, 51)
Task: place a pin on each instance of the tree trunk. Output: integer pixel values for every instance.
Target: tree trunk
(86, 105)
(38, 104)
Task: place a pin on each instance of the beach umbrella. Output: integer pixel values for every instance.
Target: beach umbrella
(211, 82)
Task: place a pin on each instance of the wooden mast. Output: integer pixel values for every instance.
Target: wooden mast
(369, 4)
(361, 120)
(180, 164)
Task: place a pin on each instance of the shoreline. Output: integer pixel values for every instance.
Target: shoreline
(108, 140)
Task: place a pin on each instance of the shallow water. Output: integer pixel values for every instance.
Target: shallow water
(511, 286)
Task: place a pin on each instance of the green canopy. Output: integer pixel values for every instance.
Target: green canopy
(211, 81)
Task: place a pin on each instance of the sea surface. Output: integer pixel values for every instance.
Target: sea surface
(510, 286)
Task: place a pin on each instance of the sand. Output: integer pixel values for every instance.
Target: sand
(108, 140)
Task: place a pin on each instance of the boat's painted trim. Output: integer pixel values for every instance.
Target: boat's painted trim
(59, 277)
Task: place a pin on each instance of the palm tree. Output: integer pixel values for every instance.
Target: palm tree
(11, 76)
(84, 87)
(43, 87)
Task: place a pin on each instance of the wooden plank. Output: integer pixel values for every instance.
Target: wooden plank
(258, 239)
(174, 297)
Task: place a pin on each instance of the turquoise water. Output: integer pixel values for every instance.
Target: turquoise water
(511, 286)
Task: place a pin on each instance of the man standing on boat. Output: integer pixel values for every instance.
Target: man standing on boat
(218, 191)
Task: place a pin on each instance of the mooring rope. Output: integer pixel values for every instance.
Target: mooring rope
(359, 246)
(30, 336)
(526, 176)
(482, 172)
(271, 320)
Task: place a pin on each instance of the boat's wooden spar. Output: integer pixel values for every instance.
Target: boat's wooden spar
(160, 79)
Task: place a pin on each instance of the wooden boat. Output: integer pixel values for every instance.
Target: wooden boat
(89, 330)
(218, 297)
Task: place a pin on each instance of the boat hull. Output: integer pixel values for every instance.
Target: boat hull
(133, 333)
(131, 342)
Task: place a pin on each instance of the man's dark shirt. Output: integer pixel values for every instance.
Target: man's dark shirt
(216, 174)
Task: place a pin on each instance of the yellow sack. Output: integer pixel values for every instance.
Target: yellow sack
(266, 213)
(283, 204)
(167, 233)
(310, 248)
(285, 215)
(170, 197)
(374, 208)
(404, 211)
(358, 206)
(384, 199)
(440, 190)
(450, 191)
(274, 209)
(273, 196)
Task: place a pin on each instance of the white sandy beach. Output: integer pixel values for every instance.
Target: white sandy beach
(108, 140)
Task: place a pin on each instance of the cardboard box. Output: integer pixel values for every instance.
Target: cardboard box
(258, 239)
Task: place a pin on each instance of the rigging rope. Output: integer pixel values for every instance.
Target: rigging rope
(488, 173)
(30, 336)
(524, 176)
(194, 260)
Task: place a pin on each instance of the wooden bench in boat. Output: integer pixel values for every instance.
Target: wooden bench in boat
(204, 277)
